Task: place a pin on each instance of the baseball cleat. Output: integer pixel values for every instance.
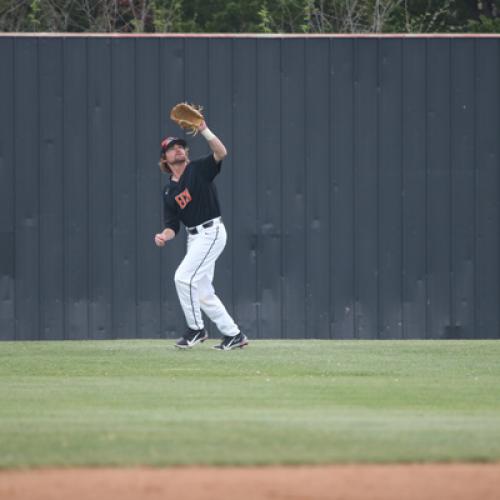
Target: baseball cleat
(228, 343)
(191, 338)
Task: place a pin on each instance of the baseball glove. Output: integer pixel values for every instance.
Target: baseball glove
(187, 116)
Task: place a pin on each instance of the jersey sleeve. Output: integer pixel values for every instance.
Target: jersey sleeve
(170, 215)
(209, 168)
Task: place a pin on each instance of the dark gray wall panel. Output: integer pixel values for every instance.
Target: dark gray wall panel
(462, 189)
(438, 187)
(317, 174)
(76, 190)
(51, 189)
(124, 196)
(366, 188)
(414, 189)
(342, 188)
(294, 187)
(149, 116)
(7, 193)
(100, 160)
(27, 181)
(487, 188)
(390, 225)
(360, 193)
(269, 190)
(244, 164)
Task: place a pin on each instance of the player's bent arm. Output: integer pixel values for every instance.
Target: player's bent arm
(166, 235)
(215, 144)
(219, 150)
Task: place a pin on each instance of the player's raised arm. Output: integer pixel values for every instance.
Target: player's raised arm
(190, 118)
(218, 149)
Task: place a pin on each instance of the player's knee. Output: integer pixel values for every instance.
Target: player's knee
(180, 278)
(207, 298)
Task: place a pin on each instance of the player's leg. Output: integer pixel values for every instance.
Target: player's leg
(213, 307)
(215, 310)
(203, 250)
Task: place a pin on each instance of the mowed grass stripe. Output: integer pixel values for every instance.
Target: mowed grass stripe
(143, 402)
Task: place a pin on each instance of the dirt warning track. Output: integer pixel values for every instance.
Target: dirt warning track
(346, 482)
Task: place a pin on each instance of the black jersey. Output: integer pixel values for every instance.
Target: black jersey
(193, 200)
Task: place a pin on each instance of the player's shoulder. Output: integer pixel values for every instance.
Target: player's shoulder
(203, 160)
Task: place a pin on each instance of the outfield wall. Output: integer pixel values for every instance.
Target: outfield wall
(361, 191)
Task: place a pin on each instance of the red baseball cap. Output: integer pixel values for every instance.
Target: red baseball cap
(168, 142)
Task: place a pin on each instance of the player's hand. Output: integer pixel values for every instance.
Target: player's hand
(202, 126)
(160, 240)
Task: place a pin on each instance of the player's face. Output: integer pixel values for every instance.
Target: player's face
(176, 154)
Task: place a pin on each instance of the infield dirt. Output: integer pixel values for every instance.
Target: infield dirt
(346, 482)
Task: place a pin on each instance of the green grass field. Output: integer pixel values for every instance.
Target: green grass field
(143, 402)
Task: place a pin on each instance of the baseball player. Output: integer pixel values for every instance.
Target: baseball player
(190, 197)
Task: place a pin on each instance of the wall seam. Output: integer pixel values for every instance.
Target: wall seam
(426, 321)
(112, 194)
(39, 197)
(378, 105)
(233, 182)
(451, 274)
(330, 190)
(402, 185)
(88, 209)
(136, 205)
(63, 183)
(355, 104)
(498, 186)
(14, 190)
(307, 240)
(258, 303)
(476, 173)
(283, 235)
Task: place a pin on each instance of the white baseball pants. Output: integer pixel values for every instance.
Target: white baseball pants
(194, 276)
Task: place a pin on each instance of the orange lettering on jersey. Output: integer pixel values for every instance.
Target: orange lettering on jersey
(183, 198)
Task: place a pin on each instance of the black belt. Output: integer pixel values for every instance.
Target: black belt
(193, 230)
